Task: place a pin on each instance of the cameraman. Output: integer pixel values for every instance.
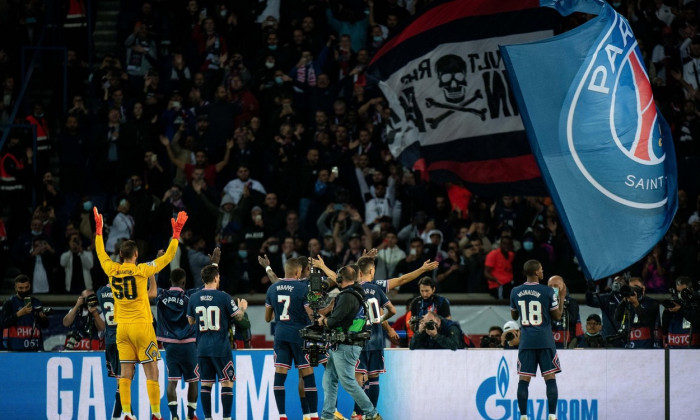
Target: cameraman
(638, 315)
(679, 321)
(493, 339)
(510, 340)
(22, 318)
(85, 323)
(567, 328)
(436, 332)
(429, 301)
(608, 303)
(348, 316)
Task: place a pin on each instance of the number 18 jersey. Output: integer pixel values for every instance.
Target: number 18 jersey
(534, 302)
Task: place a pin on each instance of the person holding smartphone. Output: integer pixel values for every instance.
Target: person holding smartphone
(23, 318)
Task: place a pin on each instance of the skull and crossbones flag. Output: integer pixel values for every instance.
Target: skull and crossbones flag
(453, 111)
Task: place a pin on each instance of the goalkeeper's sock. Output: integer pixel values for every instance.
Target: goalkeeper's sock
(125, 395)
(153, 389)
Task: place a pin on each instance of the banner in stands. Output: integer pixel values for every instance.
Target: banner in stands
(468, 384)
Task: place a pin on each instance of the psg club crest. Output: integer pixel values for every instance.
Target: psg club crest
(613, 130)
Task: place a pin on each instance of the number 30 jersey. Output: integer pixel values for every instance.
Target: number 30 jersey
(287, 298)
(212, 311)
(129, 283)
(534, 302)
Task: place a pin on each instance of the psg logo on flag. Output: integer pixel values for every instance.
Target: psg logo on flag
(619, 152)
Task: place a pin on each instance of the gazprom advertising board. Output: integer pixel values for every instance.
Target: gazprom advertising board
(465, 384)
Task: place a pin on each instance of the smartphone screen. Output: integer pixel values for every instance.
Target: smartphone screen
(27, 301)
(556, 290)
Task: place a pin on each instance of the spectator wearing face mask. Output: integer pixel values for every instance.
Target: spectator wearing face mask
(530, 250)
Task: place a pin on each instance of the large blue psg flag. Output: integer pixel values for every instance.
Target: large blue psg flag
(604, 150)
(453, 111)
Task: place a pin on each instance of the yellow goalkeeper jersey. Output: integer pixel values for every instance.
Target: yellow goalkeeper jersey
(129, 283)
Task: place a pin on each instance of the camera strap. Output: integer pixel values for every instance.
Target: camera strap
(360, 299)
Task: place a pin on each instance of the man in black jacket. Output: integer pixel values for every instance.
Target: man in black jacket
(349, 317)
(436, 332)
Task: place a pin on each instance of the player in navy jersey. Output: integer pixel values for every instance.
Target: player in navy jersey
(371, 362)
(106, 300)
(286, 302)
(178, 338)
(385, 285)
(536, 305)
(213, 311)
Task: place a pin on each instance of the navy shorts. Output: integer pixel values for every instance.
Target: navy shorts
(211, 367)
(288, 351)
(371, 362)
(181, 361)
(547, 359)
(114, 368)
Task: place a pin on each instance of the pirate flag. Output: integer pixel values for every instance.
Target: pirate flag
(453, 110)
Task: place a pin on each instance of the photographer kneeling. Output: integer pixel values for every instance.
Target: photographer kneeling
(511, 335)
(348, 317)
(85, 323)
(436, 332)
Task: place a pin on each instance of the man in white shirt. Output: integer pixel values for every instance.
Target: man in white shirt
(235, 187)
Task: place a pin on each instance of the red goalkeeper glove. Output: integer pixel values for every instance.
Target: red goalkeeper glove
(178, 224)
(98, 221)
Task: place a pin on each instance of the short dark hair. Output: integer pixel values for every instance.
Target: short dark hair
(128, 249)
(303, 262)
(364, 264)
(292, 265)
(497, 328)
(416, 239)
(427, 281)
(685, 280)
(177, 276)
(530, 267)
(22, 278)
(346, 273)
(209, 273)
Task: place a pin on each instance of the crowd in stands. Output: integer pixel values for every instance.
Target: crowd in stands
(257, 118)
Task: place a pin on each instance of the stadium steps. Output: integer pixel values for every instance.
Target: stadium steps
(105, 34)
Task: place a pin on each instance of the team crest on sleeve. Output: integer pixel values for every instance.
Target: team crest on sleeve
(151, 263)
(620, 152)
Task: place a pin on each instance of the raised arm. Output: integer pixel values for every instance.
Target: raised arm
(177, 162)
(227, 155)
(106, 263)
(409, 277)
(265, 263)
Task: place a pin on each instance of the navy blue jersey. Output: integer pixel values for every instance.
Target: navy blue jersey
(534, 301)
(173, 326)
(212, 311)
(375, 298)
(383, 284)
(106, 300)
(287, 298)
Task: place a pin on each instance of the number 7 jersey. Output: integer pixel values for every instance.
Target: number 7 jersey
(287, 298)
(534, 302)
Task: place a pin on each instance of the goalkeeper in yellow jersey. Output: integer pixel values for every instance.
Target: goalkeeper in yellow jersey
(136, 339)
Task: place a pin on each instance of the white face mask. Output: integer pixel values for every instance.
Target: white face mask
(273, 248)
(269, 64)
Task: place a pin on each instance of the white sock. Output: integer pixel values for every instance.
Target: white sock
(523, 417)
(552, 417)
(312, 415)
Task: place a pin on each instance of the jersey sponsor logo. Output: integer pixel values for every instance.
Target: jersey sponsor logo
(492, 401)
(632, 172)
